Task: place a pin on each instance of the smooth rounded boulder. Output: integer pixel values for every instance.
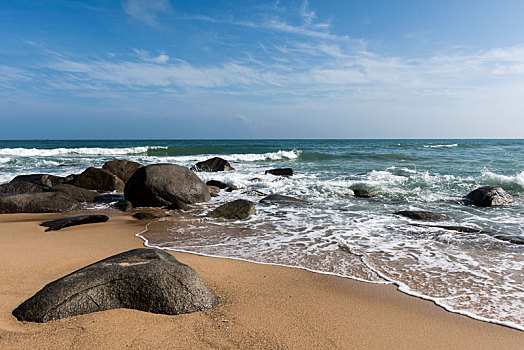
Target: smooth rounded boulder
(280, 172)
(37, 202)
(148, 280)
(78, 193)
(46, 180)
(124, 169)
(161, 185)
(488, 196)
(21, 187)
(239, 209)
(213, 165)
(99, 180)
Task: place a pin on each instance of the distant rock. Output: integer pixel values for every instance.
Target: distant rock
(239, 209)
(281, 199)
(213, 165)
(55, 225)
(488, 196)
(40, 179)
(99, 180)
(233, 188)
(213, 191)
(163, 184)
(37, 202)
(362, 193)
(421, 215)
(281, 172)
(124, 169)
(78, 193)
(21, 187)
(148, 280)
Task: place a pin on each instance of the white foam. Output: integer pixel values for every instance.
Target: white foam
(88, 151)
(518, 179)
(440, 146)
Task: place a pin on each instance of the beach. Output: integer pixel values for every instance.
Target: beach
(261, 306)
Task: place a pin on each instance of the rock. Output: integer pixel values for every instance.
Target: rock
(281, 172)
(123, 205)
(70, 179)
(37, 202)
(55, 225)
(217, 183)
(21, 187)
(213, 165)
(497, 235)
(148, 280)
(362, 193)
(99, 180)
(488, 196)
(178, 205)
(255, 193)
(108, 198)
(421, 215)
(213, 191)
(280, 199)
(122, 168)
(40, 179)
(510, 238)
(239, 209)
(256, 179)
(162, 184)
(232, 188)
(78, 193)
(144, 215)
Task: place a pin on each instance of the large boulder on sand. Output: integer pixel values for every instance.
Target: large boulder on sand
(78, 193)
(212, 165)
(239, 209)
(99, 180)
(149, 280)
(37, 202)
(21, 187)
(160, 185)
(124, 169)
(41, 179)
(488, 196)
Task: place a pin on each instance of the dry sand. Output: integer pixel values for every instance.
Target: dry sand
(262, 306)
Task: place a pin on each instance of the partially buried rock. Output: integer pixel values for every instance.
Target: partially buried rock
(160, 185)
(78, 193)
(221, 185)
(213, 165)
(148, 280)
(421, 215)
(55, 225)
(281, 199)
(21, 187)
(41, 179)
(124, 169)
(37, 202)
(488, 196)
(239, 209)
(213, 191)
(281, 172)
(145, 215)
(362, 193)
(99, 180)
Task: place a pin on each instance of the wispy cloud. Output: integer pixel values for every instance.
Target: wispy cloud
(146, 11)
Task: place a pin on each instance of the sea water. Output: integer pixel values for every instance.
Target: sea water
(469, 273)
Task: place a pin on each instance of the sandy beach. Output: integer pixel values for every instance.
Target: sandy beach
(262, 306)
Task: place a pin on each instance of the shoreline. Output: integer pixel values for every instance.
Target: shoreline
(262, 306)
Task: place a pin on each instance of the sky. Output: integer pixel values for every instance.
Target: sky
(160, 69)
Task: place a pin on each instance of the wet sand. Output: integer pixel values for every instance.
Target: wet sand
(262, 306)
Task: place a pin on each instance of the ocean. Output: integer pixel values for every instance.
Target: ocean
(474, 274)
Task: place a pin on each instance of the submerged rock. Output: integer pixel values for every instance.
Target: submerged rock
(37, 202)
(148, 280)
(239, 209)
(281, 172)
(497, 235)
(421, 215)
(124, 169)
(488, 196)
(362, 193)
(281, 199)
(213, 165)
(55, 225)
(99, 180)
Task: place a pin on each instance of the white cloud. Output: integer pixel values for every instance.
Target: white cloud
(146, 10)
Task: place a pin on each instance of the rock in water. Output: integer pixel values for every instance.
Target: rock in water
(55, 225)
(280, 199)
(221, 185)
(213, 191)
(123, 205)
(213, 165)
(239, 209)
(160, 185)
(99, 180)
(362, 193)
(421, 215)
(148, 280)
(78, 193)
(488, 196)
(41, 179)
(37, 202)
(124, 169)
(281, 172)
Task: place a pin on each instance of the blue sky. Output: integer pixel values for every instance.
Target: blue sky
(261, 69)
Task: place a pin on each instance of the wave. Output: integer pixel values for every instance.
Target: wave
(440, 146)
(514, 182)
(86, 151)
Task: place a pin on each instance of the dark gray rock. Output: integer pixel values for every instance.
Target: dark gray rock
(123, 205)
(217, 183)
(37, 202)
(509, 238)
(108, 198)
(232, 188)
(362, 193)
(213, 165)
(488, 196)
(162, 184)
(213, 191)
(239, 209)
(145, 215)
(148, 280)
(78, 193)
(21, 187)
(281, 172)
(421, 215)
(255, 193)
(40, 179)
(99, 180)
(55, 225)
(497, 235)
(281, 199)
(177, 204)
(124, 169)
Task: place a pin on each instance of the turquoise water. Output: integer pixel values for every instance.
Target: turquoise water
(474, 274)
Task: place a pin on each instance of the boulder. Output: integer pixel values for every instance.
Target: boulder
(255, 193)
(213, 165)
(281, 172)
(78, 193)
(421, 215)
(123, 205)
(122, 168)
(21, 187)
(162, 184)
(488, 196)
(146, 215)
(99, 180)
(148, 280)
(362, 193)
(177, 204)
(217, 183)
(213, 191)
(239, 209)
(37, 202)
(41, 179)
(280, 199)
(55, 225)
